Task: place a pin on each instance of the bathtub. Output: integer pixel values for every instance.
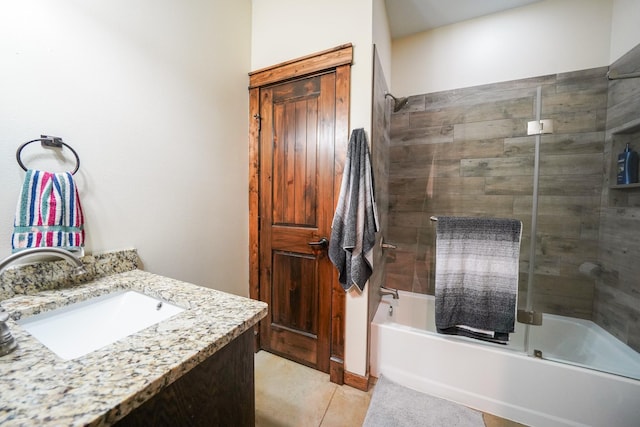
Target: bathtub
(502, 379)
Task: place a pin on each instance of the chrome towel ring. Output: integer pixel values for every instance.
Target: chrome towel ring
(48, 141)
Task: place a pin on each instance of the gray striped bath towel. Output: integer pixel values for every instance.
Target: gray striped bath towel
(477, 263)
(355, 223)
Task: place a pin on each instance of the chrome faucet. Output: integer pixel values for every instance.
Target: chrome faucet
(60, 253)
(7, 342)
(389, 291)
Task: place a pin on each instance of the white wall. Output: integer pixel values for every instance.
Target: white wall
(625, 27)
(543, 38)
(382, 37)
(153, 97)
(288, 29)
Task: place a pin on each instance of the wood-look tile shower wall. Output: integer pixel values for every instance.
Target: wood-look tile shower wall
(466, 152)
(617, 296)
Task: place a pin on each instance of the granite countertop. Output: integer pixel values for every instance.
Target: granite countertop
(39, 388)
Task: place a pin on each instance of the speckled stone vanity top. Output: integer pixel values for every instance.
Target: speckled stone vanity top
(39, 388)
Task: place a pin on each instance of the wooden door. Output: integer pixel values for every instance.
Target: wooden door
(297, 145)
(296, 205)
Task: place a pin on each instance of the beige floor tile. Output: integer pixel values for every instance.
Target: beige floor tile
(494, 421)
(348, 407)
(289, 394)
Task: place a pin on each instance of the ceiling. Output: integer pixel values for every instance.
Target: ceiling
(413, 16)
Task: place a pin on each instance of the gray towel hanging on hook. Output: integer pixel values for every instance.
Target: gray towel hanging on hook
(356, 219)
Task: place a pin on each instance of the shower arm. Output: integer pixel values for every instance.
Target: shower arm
(398, 103)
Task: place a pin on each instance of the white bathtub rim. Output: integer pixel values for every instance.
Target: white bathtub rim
(459, 340)
(608, 393)
(473, 344)
(595, 396)
(382, 319)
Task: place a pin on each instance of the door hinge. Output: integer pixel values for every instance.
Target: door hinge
(258, 117)
(529, 317)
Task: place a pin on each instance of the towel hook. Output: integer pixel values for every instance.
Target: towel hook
(48, 141)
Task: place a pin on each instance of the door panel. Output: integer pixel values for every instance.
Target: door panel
(294, 322)
(338, 61)
(295, 165)
(297, 143)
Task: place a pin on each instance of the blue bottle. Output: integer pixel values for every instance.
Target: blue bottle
(627, 166)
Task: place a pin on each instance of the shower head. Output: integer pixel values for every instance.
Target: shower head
(398, 103)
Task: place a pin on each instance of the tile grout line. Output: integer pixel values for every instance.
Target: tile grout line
(328, 405)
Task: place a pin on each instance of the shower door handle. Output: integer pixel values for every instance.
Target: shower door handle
(386, 245)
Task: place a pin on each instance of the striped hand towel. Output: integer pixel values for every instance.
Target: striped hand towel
(477, 261)
(48, 212)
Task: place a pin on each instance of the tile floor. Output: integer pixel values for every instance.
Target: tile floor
(290, 394)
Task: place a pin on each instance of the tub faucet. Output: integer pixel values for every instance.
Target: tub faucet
(389, 291)
(7, 341)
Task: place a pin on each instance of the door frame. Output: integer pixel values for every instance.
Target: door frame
(338, 60)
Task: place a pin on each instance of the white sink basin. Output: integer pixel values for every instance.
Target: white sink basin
(77, 329)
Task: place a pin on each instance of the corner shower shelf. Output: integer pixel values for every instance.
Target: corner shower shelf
(621, 135)
(624, 186)
(632, 126)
